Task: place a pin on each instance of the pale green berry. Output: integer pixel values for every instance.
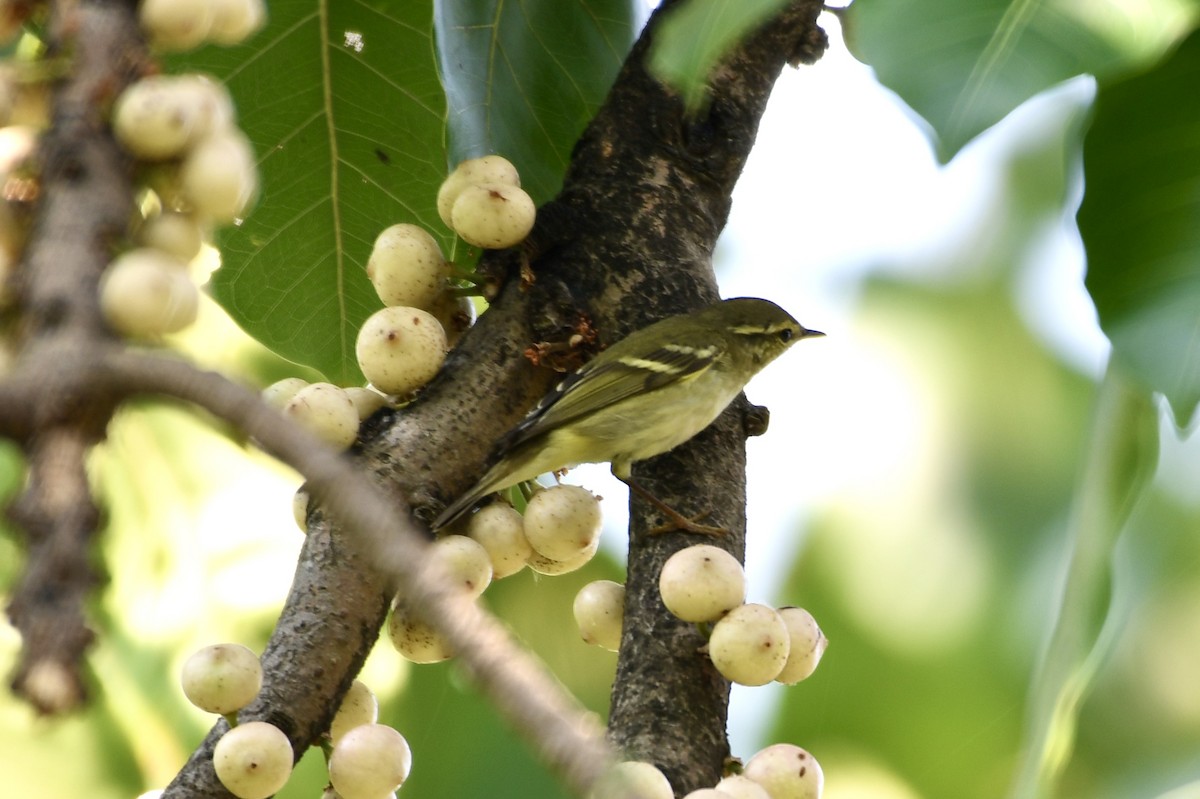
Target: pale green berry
(253, 760)
(222, 678)
(413, 638)
(280, 393)
(219, 177)
(465, 561)
(599, 610)
(358, 707)
(174, 233)
(749, 645)
(706, 793)
(234, 21)
(787, 772)
(175, 25)
(300, 509)
(543, 565)
(369, 762)
(488, 169)
(146, 293)
(400, 349)
(702, 583)
(493, 215)
(366, 400)
(407, 267)
(500, 530)
(18, 146)
(327, 412)
(457, 315)
(156, 118)
(740, 786)
(807, 646)
(218, 113)
(562, 522)
(632, 778)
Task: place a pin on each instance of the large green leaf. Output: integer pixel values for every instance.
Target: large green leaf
(1140, 222)
(343, 104)
(696, 35)
(964, 64)
(523, 78)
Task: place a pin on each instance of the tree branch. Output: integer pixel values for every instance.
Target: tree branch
(322, 638)
(628, 240)
(72, 373)
(84, 206)
(669, 703)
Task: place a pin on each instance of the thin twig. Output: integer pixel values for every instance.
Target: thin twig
(561, 731)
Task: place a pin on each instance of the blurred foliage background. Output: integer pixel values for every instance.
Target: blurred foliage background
(918, 492)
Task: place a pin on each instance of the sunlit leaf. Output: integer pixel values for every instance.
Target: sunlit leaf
(1140, 222)
(523, 79)
(964, 64)
(343, 104)
(1120, 461)
(696, 35)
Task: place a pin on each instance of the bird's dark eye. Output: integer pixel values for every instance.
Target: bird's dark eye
(786, 334)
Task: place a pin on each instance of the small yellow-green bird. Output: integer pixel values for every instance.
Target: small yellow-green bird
(643, 396)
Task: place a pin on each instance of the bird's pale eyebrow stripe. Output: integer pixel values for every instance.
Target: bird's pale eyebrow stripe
(651, 366)
(759, 330)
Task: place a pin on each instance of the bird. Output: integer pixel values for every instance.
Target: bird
(643, 396)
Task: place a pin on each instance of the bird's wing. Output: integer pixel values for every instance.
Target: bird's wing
(606, 381)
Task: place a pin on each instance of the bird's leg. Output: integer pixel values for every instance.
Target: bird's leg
(676, 520)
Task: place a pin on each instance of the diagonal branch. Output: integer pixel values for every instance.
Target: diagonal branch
(379, 546)
(628, 240)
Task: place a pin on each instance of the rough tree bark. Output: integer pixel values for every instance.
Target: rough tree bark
(628, 240)
(86, 199)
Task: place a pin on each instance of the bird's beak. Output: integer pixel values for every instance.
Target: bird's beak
(806, 333)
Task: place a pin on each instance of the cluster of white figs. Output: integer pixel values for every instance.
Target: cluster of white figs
(200, 166)
(779, 771)
(748, 643)
(558, 533)
(400, 347)
(178, 25)
(253, 759)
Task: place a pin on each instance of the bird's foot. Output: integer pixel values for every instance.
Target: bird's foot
(677, 522)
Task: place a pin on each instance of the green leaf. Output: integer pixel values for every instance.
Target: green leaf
(523, 79)
(965, 64)
(1121, 460)
(696, 35)
(1140, 222)
(343, 104)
